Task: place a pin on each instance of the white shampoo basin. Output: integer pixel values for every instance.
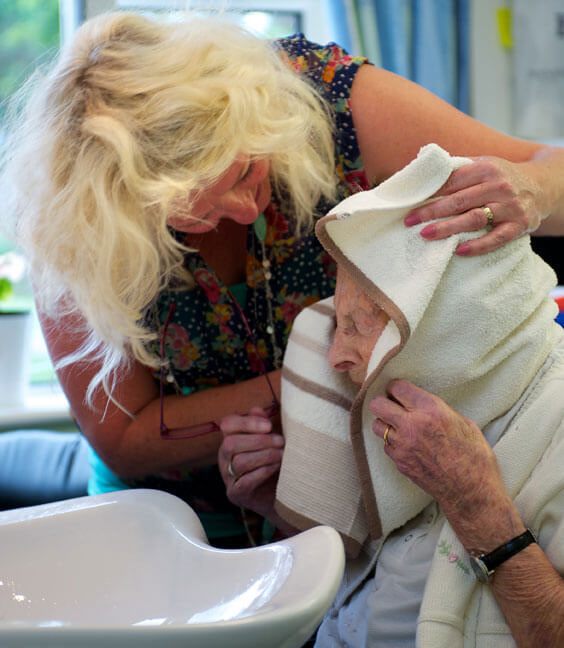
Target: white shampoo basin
(134, 568)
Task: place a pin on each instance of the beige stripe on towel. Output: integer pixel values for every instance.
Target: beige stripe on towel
(320, 450)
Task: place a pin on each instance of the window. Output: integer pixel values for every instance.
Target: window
(30, 32)
(30, 35)
(268, 18)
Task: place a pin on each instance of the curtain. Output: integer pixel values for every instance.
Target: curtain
(426, 41)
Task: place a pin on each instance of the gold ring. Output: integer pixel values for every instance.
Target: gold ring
(489, 216)
(386, 442)
(230, 470)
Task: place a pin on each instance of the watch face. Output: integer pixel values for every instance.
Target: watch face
(480, 570)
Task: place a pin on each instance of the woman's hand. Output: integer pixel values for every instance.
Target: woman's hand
(447, 455)
(249, 460)
(506, 188)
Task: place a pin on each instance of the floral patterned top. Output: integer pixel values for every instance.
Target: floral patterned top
(206, 342)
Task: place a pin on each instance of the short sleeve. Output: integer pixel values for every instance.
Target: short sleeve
(331, 70)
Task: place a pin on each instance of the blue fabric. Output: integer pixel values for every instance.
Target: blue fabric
(426, 41)
(463, 55)
(368, 31)
(395, 32)
(434, 47)
(38, 466)
(341, 29)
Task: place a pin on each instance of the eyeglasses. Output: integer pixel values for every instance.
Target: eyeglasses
(200, 429)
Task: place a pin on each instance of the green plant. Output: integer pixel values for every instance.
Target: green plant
(12, 270)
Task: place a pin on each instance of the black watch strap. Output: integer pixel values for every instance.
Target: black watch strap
(485, 564)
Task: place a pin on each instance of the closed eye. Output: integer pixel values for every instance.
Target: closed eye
(348, 326)
(367, 323)
(247, 172)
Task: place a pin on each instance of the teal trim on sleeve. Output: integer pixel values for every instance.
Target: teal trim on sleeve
(268, 531)
(102, 479)
(221, 525)
(239, 291)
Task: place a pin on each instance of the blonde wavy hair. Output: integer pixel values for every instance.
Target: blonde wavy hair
(134, 115)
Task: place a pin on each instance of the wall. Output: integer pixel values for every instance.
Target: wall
(507, 76)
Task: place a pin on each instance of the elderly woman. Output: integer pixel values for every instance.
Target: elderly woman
(425, 424)
(164, 181)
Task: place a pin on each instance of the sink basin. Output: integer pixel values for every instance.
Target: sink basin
(134, 568)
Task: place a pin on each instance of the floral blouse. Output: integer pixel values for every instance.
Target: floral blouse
(206, 342)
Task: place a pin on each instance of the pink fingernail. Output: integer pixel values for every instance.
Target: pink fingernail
(412, 219)
(429, 231)
(463, 249)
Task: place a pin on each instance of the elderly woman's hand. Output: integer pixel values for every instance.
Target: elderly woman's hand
(249, 460)
(505, 191)
(447, 455)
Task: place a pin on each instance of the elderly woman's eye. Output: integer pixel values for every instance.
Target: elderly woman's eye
(366, 323)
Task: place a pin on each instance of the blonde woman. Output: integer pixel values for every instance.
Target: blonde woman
(163, 182)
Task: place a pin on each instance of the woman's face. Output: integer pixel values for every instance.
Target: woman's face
(240, 194)
(359, 325)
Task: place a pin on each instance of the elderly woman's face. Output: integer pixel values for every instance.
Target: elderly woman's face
(240, 194)
(359, 325)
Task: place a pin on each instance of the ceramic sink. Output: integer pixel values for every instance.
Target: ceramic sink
(134, 568)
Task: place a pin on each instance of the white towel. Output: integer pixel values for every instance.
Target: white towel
(472, 330)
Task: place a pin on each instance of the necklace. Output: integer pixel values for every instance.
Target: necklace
(262, 277)
(260, 230)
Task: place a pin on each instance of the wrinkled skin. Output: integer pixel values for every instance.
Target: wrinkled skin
(255, 451)
(446, 455)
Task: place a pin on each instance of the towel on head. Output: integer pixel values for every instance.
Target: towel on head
(471, 330)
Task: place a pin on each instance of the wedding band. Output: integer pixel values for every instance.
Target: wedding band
(386, 442)
(230, 470)
(489, 216)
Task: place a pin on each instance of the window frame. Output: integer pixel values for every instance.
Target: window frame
(315, 23)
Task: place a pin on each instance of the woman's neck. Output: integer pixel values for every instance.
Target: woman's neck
(224, 250)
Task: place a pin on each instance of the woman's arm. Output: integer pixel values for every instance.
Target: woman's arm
(131, 445)
(447, 455)
(521, 181)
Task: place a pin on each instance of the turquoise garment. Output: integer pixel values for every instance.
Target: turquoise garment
(428, 43)
(239, 291)
(102, 479)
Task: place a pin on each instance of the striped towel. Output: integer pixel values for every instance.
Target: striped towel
(474, 331)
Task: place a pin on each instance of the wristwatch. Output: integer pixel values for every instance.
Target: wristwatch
(484, 565)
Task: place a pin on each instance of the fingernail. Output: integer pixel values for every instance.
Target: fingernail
(412, 219)
(463, 249)
(428, 232)
(278, 440)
